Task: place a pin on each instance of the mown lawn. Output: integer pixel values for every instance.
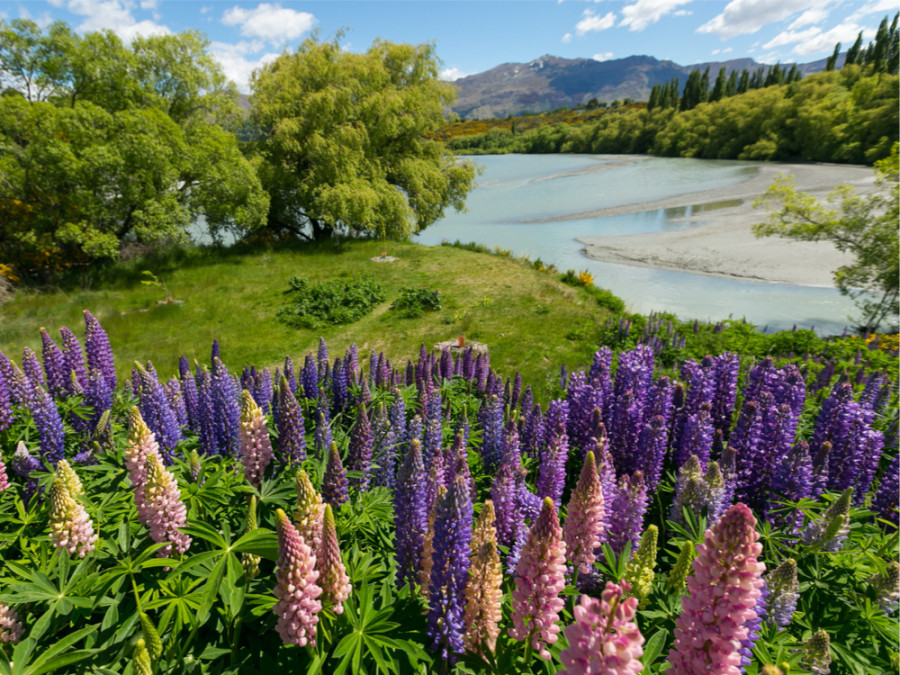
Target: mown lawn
(530, 321)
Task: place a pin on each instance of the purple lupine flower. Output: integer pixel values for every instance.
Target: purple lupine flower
(792, 482)
(690, 490)
(433, 432)
(255, 445)
(652, 447)
(289, 423)
(531, 436)
(490, 418)
(49, 425)
(31, 365)
(310, 378)
(552, 475)
(887, 496)
(298, 593)
(227, 410)
(322, 356)
(351, 361)
(456, 464)
(23, 463)
(557, 414)
(176, 401)
(206, 416)
(725, 393)
(504, 497)
(339, 395)
(323, 425)
(54, 366)
(540, 577)
(583, 398)
(722, 597)
(359, 457)
(385, 452)
(626, 520)
(414, 433)
(624, 431)
(189, 395)
(450, 571)
(516, 391)
(820, 469)
(215, 352)
(753, 626)
(99, 352)
(335, 490)
(832, 528)
(289, 374)
(262, 391)
(434, 485)
(6, 412)
(410, 515)
(782, 594)
(696, 437)
(156, 411)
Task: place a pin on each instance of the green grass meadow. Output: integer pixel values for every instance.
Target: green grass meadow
(530, 321)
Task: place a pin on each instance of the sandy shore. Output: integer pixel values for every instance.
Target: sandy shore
(724, 245)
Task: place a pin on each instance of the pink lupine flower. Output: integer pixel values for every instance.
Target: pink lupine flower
(298, 606)
(141, 444)
(71, 528)
(4, 479)
(722, 597)
(584, 521)
(604, 639)
(256, 447)
(11, 630)
(165, 512)
(332, 574)
(540, 577)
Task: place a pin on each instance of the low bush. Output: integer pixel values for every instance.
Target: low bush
(329, 302)
(414, 302)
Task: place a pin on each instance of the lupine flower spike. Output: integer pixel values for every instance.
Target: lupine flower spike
(141, 444)
(887, 587)
(782, 593)
(333, 577)
(584, 521)
(11, 630)
(540, 577)
(298, 605)
(71, 528)
(249, 561)
(604, 639)
(166, 513)
(141, 664)
(679, 572)
(484, 593)
(4, 479)
(639, 572)
(310, 511)
(335, 490)
(832, 528)
(817, 653)
(722, 597)
(256, 448)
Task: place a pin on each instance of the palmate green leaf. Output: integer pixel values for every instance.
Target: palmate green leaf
(653, 648)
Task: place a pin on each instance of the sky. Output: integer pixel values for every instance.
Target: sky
(472, 36)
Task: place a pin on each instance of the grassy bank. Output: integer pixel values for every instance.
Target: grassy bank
(531, 321)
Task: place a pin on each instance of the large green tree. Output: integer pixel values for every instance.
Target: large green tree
(345, 138)
(102, 145)
(865, 226)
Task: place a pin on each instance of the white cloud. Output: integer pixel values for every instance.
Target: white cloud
(845, 34)
(603, 56)
(640, 14)
(270, 22)
(747, 16)
(789, 37)
(149, 4)
(590, 22)
(567, 38)
(727, 50)
(114, 15)
(451, 74)
(682, 12)
(874, 7)
(239, 60)
(42, 21)
(809, 17)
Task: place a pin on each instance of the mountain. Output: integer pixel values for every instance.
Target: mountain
(550, 81)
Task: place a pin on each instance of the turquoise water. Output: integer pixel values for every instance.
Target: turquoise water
(515, 189)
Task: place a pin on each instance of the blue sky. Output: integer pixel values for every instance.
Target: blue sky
(471, 36)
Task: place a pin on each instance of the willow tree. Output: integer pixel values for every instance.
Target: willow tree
(345, 139)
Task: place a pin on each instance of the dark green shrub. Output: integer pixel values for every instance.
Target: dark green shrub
(414, 302)
(329, 302)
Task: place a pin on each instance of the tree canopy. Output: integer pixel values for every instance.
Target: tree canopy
(344, 139)
(865, 226)
(103, 144)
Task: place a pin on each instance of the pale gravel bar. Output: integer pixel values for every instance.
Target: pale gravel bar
(723, 245)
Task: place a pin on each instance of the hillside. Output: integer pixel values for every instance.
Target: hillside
(550, 82)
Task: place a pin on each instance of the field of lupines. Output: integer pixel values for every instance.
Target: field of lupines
(332, 516)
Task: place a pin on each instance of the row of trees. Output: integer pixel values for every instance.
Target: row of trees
(105, 145)
(882, 54)
(697, 89)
